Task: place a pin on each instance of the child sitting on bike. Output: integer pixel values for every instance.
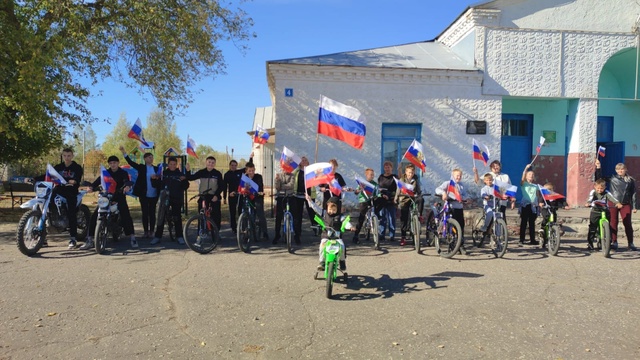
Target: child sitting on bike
(404, 200)
(454, 191)
(599, 193)
(553, 206)
(175, 182)
(332, 219)
(487, 194)
(363, 200)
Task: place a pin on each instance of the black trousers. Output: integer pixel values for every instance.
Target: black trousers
(216, 214)
(72, 213)
(148, 207)
(233, 212)
(176, 213)
(528, 216)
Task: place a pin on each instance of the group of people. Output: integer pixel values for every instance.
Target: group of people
(290, 187)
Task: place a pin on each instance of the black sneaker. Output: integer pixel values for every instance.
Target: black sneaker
(614, 245)
(343, 265)
(463, 251)
(632, 247)
(355, 239)
(590, 246)
(296, 240)
(275, 239)
(534, 242)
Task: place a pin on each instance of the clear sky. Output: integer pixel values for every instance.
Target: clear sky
(223, 112)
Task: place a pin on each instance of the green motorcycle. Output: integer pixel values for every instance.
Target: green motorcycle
(332, 252)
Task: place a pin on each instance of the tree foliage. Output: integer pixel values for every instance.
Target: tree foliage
(50, 47)
(163, 132)
(119, 136)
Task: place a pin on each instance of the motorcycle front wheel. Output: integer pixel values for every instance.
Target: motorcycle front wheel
(101, 235)
(83, 217)
(28, 238)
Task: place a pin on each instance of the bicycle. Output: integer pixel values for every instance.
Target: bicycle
(164, 213)
(414, 223)
(550, 233)
(603, 235)
(443, 231)
(497, 231)
(372, 224)
(287, 222)
(200, 232)
(246, 224)
(332, 252)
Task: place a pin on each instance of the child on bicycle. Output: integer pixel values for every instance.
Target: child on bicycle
(363, 200)
(456, 199)
(258, 200)
(404, 200)
(176, 183)
(284, 183)
(599, 193)
(332, 219)
(553, 206)
(488, 197)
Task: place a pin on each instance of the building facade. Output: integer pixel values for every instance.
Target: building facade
(503, 73)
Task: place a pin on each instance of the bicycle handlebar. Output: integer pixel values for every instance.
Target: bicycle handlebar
(206, 192)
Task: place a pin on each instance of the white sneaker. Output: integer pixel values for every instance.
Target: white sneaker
(87, 244)
(180, 241)
(72, 243)
(154, 241)
(134, 243)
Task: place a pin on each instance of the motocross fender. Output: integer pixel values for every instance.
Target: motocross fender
(29, 204)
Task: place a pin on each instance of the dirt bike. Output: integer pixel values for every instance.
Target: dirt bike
(109, 222)
(48, 213)
(332, 252)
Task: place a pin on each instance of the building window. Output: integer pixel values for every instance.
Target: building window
(396, 139)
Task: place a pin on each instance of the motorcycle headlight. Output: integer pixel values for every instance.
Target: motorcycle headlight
(103, 202)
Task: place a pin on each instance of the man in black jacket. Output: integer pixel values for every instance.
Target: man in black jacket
(258, 200)
(230, 191)
(176, 183)
(211, 180)
(146, 189)
(72, 173)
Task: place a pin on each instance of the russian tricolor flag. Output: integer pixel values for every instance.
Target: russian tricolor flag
(549, 195)
(497, 192)
(341, 122)
(405, 188)
(260, 136)
(248, 186)
(479, 154)
(54, 176)
(509, 190)
(191, 147)
(415, 155)
(160, 169)
(540, 145)
(601, 150)
(136, 133)
(367, 187)
(335, 187)
(107, 181)
(289, 161)
(453, 189)
(317, 174)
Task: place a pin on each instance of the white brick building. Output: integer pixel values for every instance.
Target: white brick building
(567, 70)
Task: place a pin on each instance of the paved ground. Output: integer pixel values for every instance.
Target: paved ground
(167, 302)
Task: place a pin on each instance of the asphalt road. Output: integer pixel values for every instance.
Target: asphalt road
(166, 301)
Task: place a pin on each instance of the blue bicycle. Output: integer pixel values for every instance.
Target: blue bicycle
(443, 231)
(287, 221)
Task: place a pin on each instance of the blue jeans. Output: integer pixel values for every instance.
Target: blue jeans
(388, 219)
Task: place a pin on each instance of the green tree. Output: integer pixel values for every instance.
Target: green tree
(119, 136)
(50, 48)
(82, 138)
(163, 132)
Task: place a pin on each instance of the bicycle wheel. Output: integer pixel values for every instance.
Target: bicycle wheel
(162, 205)
(169, 222)
(500, 238)
(288, 230)
(201, 234)
(245, 233)
(375, 225)
(476, 235)
(331, 268)
(606, 239)
(431, 232)
(415, 232)
(450, 240)
(554, 239)
(101, 236)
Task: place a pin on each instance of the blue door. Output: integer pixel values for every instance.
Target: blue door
(515, 145)
(614, 152)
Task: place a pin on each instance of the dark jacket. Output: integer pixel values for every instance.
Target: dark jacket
(389, 184)
(120, 177)
(72, 172)
(171, 180)
(622, 190)
(140, 187)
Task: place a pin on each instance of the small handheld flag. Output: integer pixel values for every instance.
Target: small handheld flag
(260, 136)
(106, 181)
(136, 133)
(317, 174)
(415, 155)
(540, 145)
(549, 195)
(452, 189)
(335, 187)
(191, 147)
(479, 153)
(54, 176)
(248, 186)
(289, 161)
(601, 150)
(367, 187)
(405, 188)
(509, 190)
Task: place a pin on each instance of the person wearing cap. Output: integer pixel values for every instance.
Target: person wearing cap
(120, 177)
(332, 218)
(146, 189)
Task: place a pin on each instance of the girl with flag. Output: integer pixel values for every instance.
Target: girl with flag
(455, 191)
(499, 178)
(531, 200)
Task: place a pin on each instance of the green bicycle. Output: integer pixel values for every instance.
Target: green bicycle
(332, 252)
(550, 233)
(603, 235)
